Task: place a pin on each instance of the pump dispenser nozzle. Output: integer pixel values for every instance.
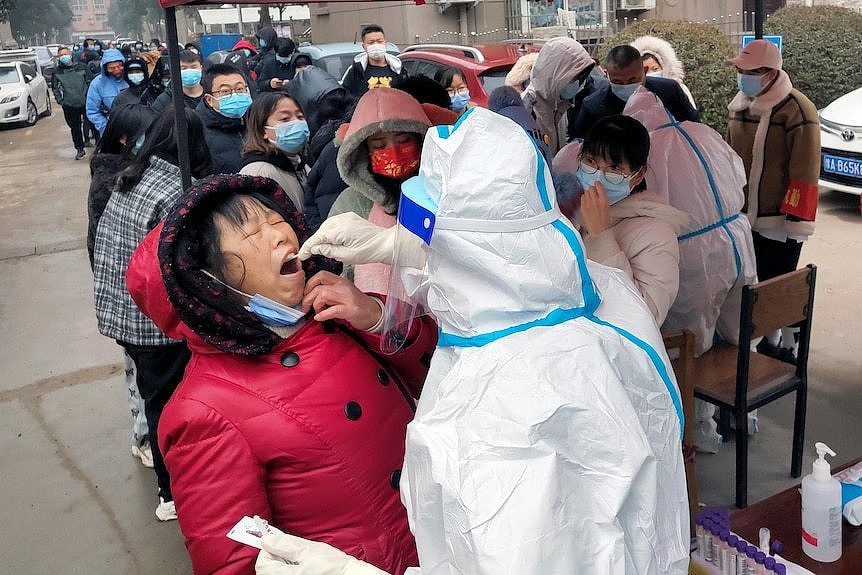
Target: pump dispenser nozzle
(822, 471)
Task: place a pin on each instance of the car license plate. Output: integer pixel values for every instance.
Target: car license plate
(842, 166)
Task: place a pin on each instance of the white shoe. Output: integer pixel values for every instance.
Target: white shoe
(144, 453)
(166, 511)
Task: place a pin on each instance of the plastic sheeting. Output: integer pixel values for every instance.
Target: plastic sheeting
(548, 435)
(696, 171)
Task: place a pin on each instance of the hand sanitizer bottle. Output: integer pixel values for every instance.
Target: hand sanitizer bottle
(821, 510)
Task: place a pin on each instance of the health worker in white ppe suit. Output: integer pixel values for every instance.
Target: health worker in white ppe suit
(694, 170)
(547, 439)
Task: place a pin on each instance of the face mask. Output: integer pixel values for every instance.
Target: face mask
(376, 51)
(139, 143)
(234, 106)
(135, 77)
(269, 311)
(571, 90)
(190, 77)
(262, 43)
(397, 162)
(93, 48)
(65, 60)
(290, 137)
(460, 100)
(283, 59)
(624, 91)
(615, 192)
(749, 85)
(247, 52)
(658, 74)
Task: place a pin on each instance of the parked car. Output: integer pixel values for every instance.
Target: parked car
(337, 57)
(24, 94)
(485, 66)
(46, 61)
(841, 144)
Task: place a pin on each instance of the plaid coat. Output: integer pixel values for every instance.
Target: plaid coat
(128, 217)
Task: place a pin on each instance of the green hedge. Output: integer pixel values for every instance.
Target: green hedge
(822, 49)
(704, 52)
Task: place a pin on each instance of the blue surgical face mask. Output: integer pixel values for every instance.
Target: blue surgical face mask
(269, 311)
(615, 192)
(624, 91)
(234, 106)
(190, 77)
(571, 90)
(262, 42)
(749, 85)
(247, 52)
(135, 77)
(291, 136)
(283, 59)
(656, 74)
(139, 143)
(65, 60)
(459, 100)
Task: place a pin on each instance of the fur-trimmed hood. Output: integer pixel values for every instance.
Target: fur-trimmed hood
(381, 110)
(665, 55)
(520, 72)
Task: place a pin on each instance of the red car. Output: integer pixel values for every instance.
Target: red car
(484, 66)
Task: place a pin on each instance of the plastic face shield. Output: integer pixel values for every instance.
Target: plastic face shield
(408, 284)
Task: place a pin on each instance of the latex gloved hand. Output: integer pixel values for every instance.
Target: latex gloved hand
(351, 239)
(286, 554)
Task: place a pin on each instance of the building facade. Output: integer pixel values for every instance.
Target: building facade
(459, 22)
(90, 19)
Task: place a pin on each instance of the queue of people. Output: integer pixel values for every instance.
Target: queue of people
(362, 327)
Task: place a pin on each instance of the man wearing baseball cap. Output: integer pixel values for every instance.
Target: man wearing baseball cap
(775, 129)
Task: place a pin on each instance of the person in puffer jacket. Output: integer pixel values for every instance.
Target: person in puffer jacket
(624, 226)
(661, 61)
(303, 424)
(104, 88)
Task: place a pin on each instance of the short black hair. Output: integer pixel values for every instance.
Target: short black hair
(618, 139)
(424, 89)
(216, 70)
(189, 56)
(504, 97)
(370, 29)
(622, 56)
(284, 47)
(445, 76)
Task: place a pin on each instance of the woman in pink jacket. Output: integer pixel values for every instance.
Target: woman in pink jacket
(301, 423)
(624, 226)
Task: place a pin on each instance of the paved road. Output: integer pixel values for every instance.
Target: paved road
(81, 503)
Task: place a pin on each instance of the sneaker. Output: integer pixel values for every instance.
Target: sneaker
(145, 453)
(88, 144)
(166, 511)
(81, 153)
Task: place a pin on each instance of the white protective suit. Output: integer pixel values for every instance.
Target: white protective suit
(547, 439)
(694, 170)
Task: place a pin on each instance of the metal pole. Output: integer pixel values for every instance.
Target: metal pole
(180, 126)
(758, 18)
(239, 15)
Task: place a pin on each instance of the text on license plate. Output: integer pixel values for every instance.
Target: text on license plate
(842, 166)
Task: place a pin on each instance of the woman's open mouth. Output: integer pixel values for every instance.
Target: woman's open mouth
(290, 266)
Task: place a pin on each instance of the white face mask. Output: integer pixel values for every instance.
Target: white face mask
(376, 51)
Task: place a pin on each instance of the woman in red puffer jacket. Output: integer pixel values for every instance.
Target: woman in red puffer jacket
(301, 424)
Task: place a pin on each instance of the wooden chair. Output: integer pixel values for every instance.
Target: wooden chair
(683, 367)
(738, 380)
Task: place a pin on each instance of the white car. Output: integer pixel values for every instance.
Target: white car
(841, 144)
(24, 93)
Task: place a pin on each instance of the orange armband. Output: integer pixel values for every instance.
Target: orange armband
(800, 200)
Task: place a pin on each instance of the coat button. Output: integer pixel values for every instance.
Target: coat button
(290, 359)
(353, 410)
(382, 377)
(395, 479)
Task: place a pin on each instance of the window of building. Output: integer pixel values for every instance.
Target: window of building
(99, 5)
(76, 17)
(78, 5)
